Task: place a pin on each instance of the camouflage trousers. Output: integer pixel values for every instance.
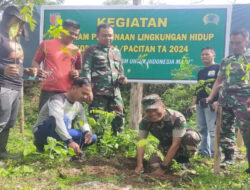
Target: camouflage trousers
(233, 117)
(109, 104)
(188, 147)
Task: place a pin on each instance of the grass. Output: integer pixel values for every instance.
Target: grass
(39, 171)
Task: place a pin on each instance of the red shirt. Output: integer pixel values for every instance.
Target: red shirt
(58, 60)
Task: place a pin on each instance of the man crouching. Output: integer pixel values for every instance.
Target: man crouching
(169, 126)
(61, 113)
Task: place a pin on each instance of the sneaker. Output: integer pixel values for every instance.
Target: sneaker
(5, 155)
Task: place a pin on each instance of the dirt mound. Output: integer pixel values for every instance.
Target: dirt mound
(119, 165)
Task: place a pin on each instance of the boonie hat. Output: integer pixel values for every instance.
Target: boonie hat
(13, 11)
(152, 101)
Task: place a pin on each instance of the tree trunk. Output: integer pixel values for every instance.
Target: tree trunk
(135, 105)
(136, 97)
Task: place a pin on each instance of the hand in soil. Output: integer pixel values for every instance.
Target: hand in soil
(158, 171)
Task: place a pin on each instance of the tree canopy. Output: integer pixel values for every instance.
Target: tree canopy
(6, 3)
(117, 2)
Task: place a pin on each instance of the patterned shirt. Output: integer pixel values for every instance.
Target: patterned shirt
(172, 125)
(103, 66)
(233, 70)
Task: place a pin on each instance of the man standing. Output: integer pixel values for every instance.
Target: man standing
(233, 80)
(206, 115)
(61, 62)
(169, 126)
(11, 73)
(61, 113)
(102, 64)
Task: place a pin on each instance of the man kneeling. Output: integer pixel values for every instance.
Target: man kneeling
(61, 113)
(169, 126)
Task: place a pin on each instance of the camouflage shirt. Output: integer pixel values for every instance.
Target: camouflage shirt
(233, 70)
(103, 66)
(172, 125)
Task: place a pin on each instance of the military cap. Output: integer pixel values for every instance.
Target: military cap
(152, 101)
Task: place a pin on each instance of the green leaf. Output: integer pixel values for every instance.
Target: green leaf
(91, 121)
(64, 49)
(142, 142)
(13, 31)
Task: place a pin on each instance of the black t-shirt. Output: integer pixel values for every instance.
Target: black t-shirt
(207, 73)
(11, 52)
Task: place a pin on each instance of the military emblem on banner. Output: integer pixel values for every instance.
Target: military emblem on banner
(211, 19)
(53, 18)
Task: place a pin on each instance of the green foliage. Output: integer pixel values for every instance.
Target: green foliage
(141, 60)
(27, 13)
(103, 122)
(108, 144)
(56, 150)
(244, 66)
(186, 69)
(4, 4)
(14, 31)
(151, 144)
(175, 166)
(179, 97)
(55, 31)
(204, 84)
(40, 171)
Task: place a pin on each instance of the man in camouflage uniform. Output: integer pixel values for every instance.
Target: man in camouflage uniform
(102, 64)
(235, 90)
(169, 126)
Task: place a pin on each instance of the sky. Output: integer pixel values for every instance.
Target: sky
(169, 2)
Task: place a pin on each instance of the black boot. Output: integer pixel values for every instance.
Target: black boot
(229, 158)
(39, 146)
(4, 135)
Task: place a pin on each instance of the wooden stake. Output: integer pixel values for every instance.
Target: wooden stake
(22, 113)
(239, 140)
(216, 141)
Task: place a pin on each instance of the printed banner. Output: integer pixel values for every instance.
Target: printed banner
(153, 42)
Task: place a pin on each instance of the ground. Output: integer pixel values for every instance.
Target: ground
(35, 171)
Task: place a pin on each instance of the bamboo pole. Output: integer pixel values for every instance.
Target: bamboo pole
(22, 113)
(216, 141)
